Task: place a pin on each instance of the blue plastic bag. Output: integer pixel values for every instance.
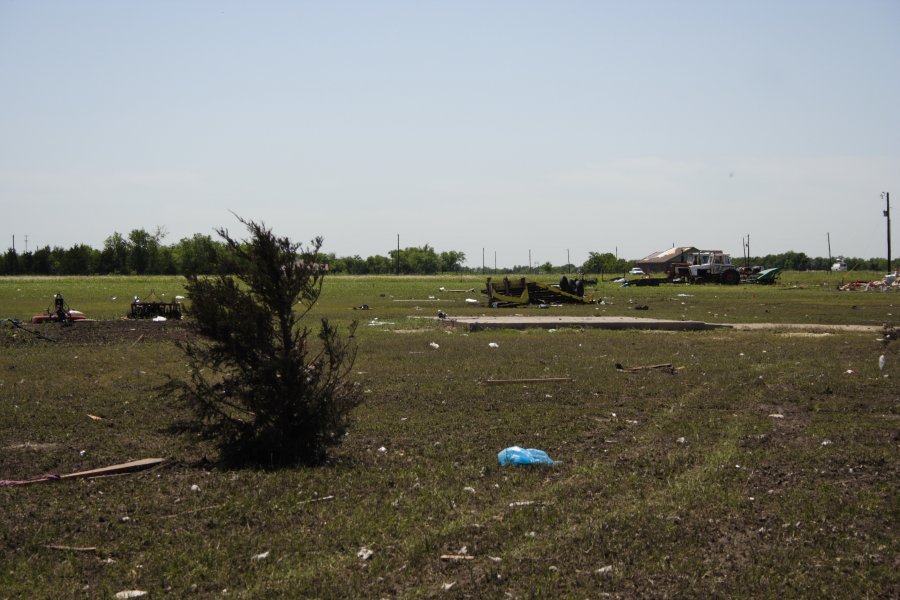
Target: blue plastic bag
(514, 455)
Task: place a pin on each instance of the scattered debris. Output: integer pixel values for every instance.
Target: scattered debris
(604, 570)
(261, 556)
(361, 307)
(889, 283)
(777, 416)
(375, 322)
(455, 557)
(493, 345)
(364, 553)
(881, 362)
(448, 586)
(125, 594)
(322, 499)
(667, 368)
(641, 307)
(434, 345)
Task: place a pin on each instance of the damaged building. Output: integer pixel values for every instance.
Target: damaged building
(659, 262)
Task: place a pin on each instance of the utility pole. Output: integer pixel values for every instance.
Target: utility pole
(887, 214)
(829, 249)
(495, 262)
(482, 261)
(529, 261)
(398, 254)
(26, 243)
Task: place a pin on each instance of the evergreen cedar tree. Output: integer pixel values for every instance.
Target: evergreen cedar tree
(261, 386)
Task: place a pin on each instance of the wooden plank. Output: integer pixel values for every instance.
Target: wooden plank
(128, 467)
(667, 367)
(71, 548)
(536, 380)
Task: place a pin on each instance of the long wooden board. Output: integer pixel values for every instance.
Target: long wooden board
(128, 467)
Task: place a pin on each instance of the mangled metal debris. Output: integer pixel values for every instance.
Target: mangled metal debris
(523, 291)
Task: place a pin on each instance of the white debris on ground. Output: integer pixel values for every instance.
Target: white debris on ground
(890, 282)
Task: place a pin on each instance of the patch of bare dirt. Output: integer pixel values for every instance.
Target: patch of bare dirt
(107, 332)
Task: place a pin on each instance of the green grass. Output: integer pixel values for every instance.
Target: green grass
(810, 297)
(668, 486)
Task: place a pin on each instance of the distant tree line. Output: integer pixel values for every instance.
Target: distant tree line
(138, 253)
(412, 261)
(798, 261)
(143, 253)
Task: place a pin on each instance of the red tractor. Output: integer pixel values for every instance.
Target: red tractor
(61, 313)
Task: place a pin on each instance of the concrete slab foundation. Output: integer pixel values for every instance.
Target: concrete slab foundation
(549, 322)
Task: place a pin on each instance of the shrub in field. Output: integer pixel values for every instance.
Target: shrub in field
(261, 386)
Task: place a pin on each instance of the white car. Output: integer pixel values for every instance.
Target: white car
(636, 271)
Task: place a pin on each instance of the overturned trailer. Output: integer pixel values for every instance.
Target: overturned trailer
(508, 293)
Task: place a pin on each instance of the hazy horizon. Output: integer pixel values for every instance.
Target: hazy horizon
(559, 128)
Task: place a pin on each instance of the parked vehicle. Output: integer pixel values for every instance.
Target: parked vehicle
(714, 265)
(636, 271)
(707, 266)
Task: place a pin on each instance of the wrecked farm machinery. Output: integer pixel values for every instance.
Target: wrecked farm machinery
(523, 292)
(714, 266)
(152, 308)
(60, 313)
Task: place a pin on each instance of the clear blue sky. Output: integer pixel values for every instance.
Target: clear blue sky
(559, 127)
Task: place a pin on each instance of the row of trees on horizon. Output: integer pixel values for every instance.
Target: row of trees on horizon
(143, 253)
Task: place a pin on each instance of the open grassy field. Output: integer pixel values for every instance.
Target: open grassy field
(766, 466)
